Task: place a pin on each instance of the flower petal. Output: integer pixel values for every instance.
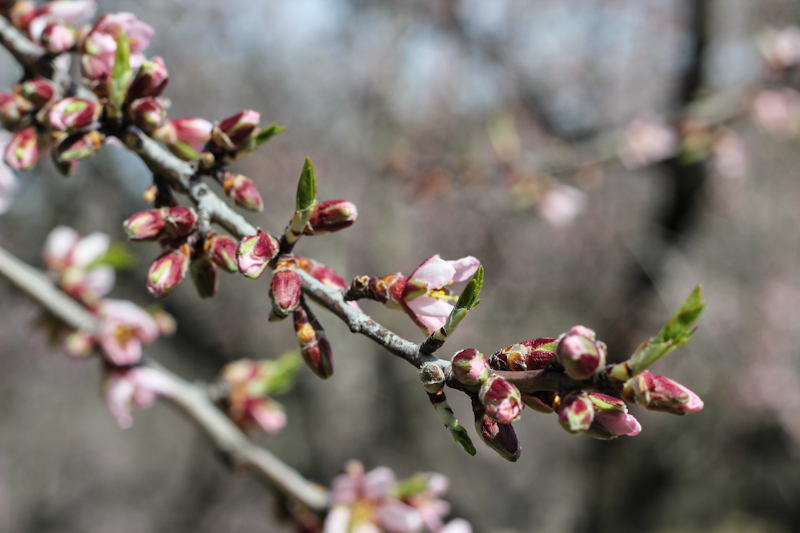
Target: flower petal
(435, 272)
(338, 520)
(465, 268)
(90, 248)
(268, 416)
(427, 306)
(431, 322)
(378, 483)
(458, 525)
(58, 245)
(398, 517)
(99, 281)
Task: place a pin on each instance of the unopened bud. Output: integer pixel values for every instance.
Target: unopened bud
(533, 354)
(432, 377)
(204, 276)
(145, 225)
(242, 191)
(575, 412)
(148, 113)
(166, 272)
(501, 400)
(255, 252)
(659, 393)
(39, 92)
(23, 150)
(285, 288)
(57, 38)
(150, 81)
(74, 114)
(234, 131)
(500, 437)
(470, 367)
(12, 108)
(79, 146)
(180, 220)
(611, 418)
(580, 354)
(79, 344)
(541, 401)
(166, 134)
(314, 345)
(330, 216)
(222, 250)
(322, 273)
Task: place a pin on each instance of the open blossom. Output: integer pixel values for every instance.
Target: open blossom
(72, 259)
(376, 502)
(68, 14)
(559, 206)
(134, 387)
(247, 403)
(125, 329)
(424, 295)
(777, 112)
(100, 45)
(780, 47)
(647, 140)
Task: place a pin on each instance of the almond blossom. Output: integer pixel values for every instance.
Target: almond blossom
(134, 387)
(125, 329)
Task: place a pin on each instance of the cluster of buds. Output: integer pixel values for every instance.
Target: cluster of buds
(598, 415)
(125, 388)
(377, 501)
(581, 355)
(314, 345)
(52, 25)
(245, 387)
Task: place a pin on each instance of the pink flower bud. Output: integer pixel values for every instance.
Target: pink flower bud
(166, 272)
(12, 108)
(150, 81)
(470, 367)
(39, 92)
(580, 354)
(533, 354)
(22, 13)
(79, 344)
(57, 38)
(96, 72)
(73, 114)
(204, 276)
(23, 150)
(148, 113)
(179, 220)
(330, 216)
(501, 400)
(255, 252)
(166, 134)
(284, 290)
(611, 418)
(79, 146)
(145, 225)
(234, 131)
(242, 191)
(322, 273)
(575, 412)
(500, 437)
(195, 132)
(314, 345)
(222, 250)
(659, 393)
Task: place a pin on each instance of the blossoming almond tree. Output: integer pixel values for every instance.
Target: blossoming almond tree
(119, 100)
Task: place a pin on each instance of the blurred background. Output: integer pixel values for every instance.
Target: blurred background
(461, 127)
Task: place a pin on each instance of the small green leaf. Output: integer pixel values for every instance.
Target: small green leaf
(306, 187)
(280, 373)
(267, 133)
(120, 75)
(411, 486)
(184, 151)
(469, 296)
(117, 257)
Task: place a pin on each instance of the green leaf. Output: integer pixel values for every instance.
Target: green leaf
(411, 486)
(117, 257)
(184, 151)
(267, 133)
(306, 187)
(120, 75)
(469, 296)
(280, 373)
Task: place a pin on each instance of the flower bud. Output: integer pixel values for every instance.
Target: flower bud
(470, 367)
(330, 216)
(73, 114)
(180, 220)
(166, 272)
(432, 377)
(242, 191)
(580, 354)
(234, 131)
(659, 393)
(145, 225)
(501, 400)
(166, 134)
(12, 108)
(150, 81)
(611, 418)
(575, 412)
(204, 276)
(39, 92)
(79, 344)
(222, 250)
(533, 354)
(96, 73)
(541, 401)
(500, 437)
(314, 345)
(57, 38)
(255, 252)
(284, 290)
(148, 113)
(79, 146)
(22, 151)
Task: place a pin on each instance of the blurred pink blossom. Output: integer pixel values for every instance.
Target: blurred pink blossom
(134, 387)
(777, 112)
(780, 47)
(647, 140)
(561, 205)
(729, 156)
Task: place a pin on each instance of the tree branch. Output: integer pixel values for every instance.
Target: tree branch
(189, 398)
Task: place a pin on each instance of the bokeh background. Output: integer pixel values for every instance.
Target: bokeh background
(452, 124)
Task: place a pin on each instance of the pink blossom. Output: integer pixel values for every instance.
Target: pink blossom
(647, 140)
(248, 404)
(780, 47)
(100, 45)
(730, 156)
(561, 205)
(193, 131)
(424, 296)
(72, 260)
(777, 112)
(134, 387)
(125, 329)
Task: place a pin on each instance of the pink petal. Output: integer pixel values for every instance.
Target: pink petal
(344, 489)
(398, 517)
(100, 280)
(427, 306)
(637, 427)
(695, 403)
(269, 417)
(90, 248)
(457, 526)
(337, 520)
(465, 268)
(74, 13)
(119, 353)
(435, 272)
(118, 394)
(438, 484)
(58, 245)
(431, 322)
(132, 316)
(152, 380)
(378, 483)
